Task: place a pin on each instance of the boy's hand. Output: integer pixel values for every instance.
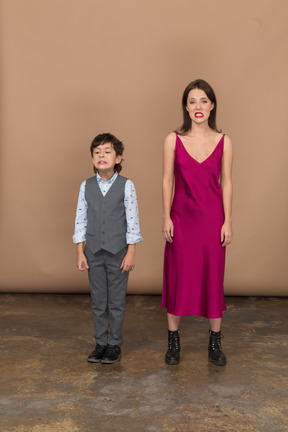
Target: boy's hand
(128, 263)
(82, 264)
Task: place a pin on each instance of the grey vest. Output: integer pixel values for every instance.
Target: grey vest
(106, 226)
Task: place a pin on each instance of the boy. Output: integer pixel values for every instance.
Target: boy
(107, 221)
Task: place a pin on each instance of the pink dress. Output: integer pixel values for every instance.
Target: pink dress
(194, 263)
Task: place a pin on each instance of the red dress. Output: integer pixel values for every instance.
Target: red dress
(194, 263)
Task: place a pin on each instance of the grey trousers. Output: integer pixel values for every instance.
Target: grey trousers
(108, 287)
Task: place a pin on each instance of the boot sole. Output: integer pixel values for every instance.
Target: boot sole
(217, 363)
(172, 362)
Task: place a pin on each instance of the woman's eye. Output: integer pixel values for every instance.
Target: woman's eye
(205, 102)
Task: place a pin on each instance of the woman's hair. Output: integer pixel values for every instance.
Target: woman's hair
(187, 122)
(117, 145)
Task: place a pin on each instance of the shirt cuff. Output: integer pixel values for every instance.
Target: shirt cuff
(133, 238)
(79, 238)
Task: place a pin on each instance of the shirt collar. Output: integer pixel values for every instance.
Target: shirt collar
(111, 180)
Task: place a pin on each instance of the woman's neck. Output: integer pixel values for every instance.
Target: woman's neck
(200, 130)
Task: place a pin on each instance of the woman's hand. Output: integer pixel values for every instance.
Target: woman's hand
(226, 234)
(168, 230)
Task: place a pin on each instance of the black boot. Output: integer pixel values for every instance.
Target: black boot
(216, 355)
(172, 356)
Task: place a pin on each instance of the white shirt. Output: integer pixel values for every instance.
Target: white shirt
(131, 209)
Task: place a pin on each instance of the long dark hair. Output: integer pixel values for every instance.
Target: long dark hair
(187, 122)
(116, 144)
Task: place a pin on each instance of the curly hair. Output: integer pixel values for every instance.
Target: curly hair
(117, 145)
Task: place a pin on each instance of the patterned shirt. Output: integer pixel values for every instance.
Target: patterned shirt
(131, 208)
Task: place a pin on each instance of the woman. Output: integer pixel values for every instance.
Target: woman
(198, 225)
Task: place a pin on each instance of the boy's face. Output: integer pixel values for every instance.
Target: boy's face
(104, 158)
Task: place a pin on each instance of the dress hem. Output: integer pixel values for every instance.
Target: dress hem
(194, 314)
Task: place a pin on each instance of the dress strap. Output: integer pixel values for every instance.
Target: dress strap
(176, 143)
(221, 145)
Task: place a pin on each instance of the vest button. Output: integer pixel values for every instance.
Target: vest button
(103, 232)
(103, 222)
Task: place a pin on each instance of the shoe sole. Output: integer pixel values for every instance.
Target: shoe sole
(93, 361)
(172, 362)
(103, 361)
(217, 363)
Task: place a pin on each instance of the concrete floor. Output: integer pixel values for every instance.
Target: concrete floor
(46, 383)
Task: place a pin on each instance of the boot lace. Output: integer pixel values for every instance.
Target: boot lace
(216, 342)
(173, 343)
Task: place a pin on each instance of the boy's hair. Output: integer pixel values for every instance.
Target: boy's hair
(117, 145)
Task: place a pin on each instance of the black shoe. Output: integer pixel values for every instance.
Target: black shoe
(97, 354)
(172, 356)
(112, 354)
(215, 353)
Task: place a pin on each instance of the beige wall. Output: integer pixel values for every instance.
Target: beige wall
(72, 69)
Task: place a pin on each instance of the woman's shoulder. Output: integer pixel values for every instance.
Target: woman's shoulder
(227, 145)
(219, 135)
(227, 140)
(170, 140)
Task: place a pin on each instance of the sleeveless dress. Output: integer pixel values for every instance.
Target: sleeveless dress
(194, 263)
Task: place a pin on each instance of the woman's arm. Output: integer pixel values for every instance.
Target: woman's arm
(167, 185)
(226, 185)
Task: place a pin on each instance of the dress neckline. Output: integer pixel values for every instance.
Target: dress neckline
(200, 163)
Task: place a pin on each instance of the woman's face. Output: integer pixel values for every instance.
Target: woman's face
(199, 106)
